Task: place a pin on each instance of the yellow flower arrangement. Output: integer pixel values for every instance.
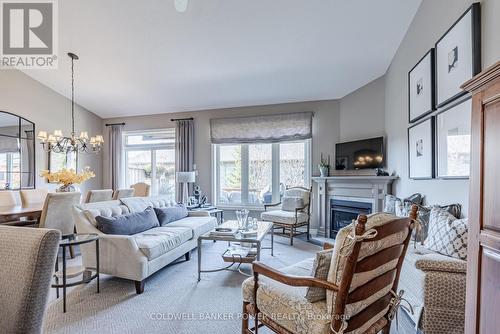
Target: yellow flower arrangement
(66, 177)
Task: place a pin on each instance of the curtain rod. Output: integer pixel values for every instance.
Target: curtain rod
(181, 119)
(110, 124)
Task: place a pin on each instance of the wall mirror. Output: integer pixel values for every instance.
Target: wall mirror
(17, 152)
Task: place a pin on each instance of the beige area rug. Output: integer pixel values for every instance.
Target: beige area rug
(173, 300)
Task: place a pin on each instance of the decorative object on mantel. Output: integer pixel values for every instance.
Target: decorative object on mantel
(421, 88)
(324, 166)
(453, 141)
(458, 55)
(68, 178)
(421, 150)
(58, 143)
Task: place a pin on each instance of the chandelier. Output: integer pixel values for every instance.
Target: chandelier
(58, 143)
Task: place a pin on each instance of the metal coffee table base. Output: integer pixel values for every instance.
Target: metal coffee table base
(235, 260)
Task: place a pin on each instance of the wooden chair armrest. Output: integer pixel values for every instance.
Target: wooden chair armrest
(269, 205)
(262, 269)
(327, 246)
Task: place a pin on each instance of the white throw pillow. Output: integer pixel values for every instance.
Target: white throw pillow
(292, 203)
(447, 235)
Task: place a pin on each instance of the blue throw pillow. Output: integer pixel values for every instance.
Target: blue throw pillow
(171, 214)
(128, 224)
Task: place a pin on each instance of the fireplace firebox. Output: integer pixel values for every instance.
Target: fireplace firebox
(343, 212)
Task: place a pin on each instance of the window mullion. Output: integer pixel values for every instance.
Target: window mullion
(153, 172)
(276, 172)
(244, 173)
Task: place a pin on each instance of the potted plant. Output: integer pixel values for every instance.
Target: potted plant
(68, 178)
(324, 166)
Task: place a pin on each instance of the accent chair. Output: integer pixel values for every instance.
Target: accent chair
(27, 259)
(293, 212)
(358, 295)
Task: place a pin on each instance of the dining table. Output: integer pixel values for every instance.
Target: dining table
(12, 214)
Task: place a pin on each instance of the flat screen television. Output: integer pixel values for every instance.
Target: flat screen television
(360, 154)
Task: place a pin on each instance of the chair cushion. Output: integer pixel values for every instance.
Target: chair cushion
(158, 241)
(287, 305)
(170, 214)
(297, 192)
(199, 225)
(320, 270)
(359, 279)
(129, 224)
(285, 217)
(292, 203)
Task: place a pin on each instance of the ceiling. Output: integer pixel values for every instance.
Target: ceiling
(143, 57)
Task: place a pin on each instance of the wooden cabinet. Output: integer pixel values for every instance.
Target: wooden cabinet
(483, 258)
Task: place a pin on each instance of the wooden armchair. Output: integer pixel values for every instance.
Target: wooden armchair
(361, 286)
(289, 220)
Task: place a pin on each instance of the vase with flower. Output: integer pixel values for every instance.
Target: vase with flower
(68, 179)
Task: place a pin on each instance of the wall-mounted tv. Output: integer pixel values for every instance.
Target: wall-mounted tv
(360, 154)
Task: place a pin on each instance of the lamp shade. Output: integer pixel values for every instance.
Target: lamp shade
(186, 177)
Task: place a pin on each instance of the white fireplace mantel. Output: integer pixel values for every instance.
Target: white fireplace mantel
(368, 189)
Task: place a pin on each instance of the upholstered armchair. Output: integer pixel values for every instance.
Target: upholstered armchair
(293, 212)
(27, 259)
(357, 280)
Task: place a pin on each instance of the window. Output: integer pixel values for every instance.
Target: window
(150, 158)
(256, 174)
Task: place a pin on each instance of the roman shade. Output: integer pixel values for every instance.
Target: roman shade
(267, 128)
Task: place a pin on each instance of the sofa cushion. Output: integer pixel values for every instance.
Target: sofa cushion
(447, 235)
(285, 217)
(170, 214)
(158, 241)
(283, 303)
(320, 270)
(128, 224)
(199, 225)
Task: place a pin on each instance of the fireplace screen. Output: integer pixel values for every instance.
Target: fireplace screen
(343, 212)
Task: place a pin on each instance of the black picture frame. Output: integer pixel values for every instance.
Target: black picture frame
(441, 112)
(475, 10)
(432, 156)
(432, 78)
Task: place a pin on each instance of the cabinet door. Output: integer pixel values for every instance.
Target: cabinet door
(483, 261)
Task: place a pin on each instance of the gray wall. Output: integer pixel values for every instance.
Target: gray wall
(362, 113)
(325, 130)
(432, 20)
(21, 95)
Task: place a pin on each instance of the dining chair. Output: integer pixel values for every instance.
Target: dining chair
(33, 196)
(9, 198)
(57, 213)
(27, 259)
(99, 195)
(123, 193)
(141, 189)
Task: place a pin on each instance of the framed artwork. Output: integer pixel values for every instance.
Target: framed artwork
(453, 139)
(58, 161)
(458, 56)
(421, 88)
(421, 150)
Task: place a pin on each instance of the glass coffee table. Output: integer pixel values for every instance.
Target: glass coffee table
(241, 249)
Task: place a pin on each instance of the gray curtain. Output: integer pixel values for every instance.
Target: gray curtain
(115, 157)
(184, 151)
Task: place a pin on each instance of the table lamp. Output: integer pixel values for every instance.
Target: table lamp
(185, 178)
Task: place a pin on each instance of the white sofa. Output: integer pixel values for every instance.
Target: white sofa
(138, 256)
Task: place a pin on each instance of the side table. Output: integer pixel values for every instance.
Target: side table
(69, 272)
(212, 211)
